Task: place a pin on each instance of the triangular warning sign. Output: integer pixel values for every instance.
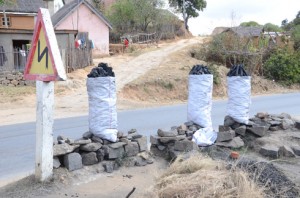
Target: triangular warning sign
(44, 62)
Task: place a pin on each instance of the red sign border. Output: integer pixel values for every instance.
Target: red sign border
(41, 77)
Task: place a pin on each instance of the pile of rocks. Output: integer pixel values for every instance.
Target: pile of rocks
(129, 150)
(169, 144)
(235, 135)
(14, 80)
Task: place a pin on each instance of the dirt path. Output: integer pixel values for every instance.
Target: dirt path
(74, 101)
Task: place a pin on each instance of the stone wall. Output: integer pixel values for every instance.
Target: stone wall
(15, 79)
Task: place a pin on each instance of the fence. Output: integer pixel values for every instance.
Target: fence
(72, 58)
(141, 38)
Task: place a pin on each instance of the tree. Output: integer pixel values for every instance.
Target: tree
(188, 8)
(250, 24)
(269, 27)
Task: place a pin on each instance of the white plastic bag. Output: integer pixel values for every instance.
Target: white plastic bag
(205, 137)
(200, 99)
(102, 107)
(239, 98)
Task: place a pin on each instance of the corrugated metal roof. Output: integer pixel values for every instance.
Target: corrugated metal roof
(67, 9)
(25, 6)
(246, 31)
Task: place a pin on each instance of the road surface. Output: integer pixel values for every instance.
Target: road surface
(17, 142)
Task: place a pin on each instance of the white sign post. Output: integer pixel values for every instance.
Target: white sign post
(44, 65)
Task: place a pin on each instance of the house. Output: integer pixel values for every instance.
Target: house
(81, 16)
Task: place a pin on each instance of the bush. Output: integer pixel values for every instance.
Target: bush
(283, 66)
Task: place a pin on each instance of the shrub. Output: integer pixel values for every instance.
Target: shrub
(283, 66)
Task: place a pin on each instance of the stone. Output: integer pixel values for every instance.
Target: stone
(228, 121)
(154, 140)
(132, 131)
(182, 127)
(181, 132)
(114, 153)
(132, 149)
(117, 145)
(129, 161)
(274, 128)
(73, 161)
(241, 130)
(275, 123)
(14, 82)
(160, 153)
(235, 143)
(262, 115)
(100, 155)
(89, 158)
(136, 136)
(109, 167)
(82, 141)
(223, 128)
(56, 162)
(296, 150)
(166, 140)
(62, 149)
(174, 154)
(91, 147)
(285, 116)
(142, 142)
(5, 82)
(270, 151)
(161, 147)
(119, 134)
(258, 130)
(87, 135)
(185, 145)
(225, 136)
(125, 140)
(189, 133)
(287, 124)
(10, 77)
(193, 128)
(140, 161)
(97, 139)
(174, 128)
(162, 133)
(61, 138)
(189, 123)
(286, 151)
(297, 125)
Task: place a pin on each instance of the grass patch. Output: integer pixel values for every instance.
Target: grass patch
(15, 93)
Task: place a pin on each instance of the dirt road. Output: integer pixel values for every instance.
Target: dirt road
(73, 101)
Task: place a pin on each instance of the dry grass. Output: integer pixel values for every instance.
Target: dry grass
(200, 176)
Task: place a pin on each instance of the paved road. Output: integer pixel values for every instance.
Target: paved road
(17, 142)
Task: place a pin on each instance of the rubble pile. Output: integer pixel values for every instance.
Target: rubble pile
(129, 150)
(15, 79)
(258, 133)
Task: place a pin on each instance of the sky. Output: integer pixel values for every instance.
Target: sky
(219, 13)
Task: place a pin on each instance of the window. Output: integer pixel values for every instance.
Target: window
(3, 21)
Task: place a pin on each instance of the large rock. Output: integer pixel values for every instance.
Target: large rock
(228, 121)
(87, 135)
(82, 141)
(100, 155)
(132, 149)
(162, 133)
(89, 158)
(166, 140)
(286, 151)
(154, 140)
(225, 136)
(236, 142)
(62, 149)
(223, 128)
(241, 130)
(258, 130)
(117, 145)
(109, 167)
(115, 152)
(185, 145)
(56, 162)
(97, 139)
(287, 124)
(73, 161)
(296, 150)
(270, 151)
(142, 142)
(297, 125)
(91, 147)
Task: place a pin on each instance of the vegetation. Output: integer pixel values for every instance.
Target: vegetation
(269, 27)
(189, 10)
(250, 24)
(283, 66)
(294, 28)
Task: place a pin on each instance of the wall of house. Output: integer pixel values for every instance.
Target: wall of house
(84, 20)
(20, 22)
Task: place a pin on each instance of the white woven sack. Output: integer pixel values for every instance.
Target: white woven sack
(239, 98)
(200, 99)
(102, 107)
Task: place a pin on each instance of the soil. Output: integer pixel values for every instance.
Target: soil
(154, 78)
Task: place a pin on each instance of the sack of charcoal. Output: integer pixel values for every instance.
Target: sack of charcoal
(239, 94)
(101, 89)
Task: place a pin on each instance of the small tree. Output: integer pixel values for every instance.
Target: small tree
(269, 27)
(188, 8)
(250, 24)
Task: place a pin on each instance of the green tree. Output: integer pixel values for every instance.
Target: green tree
(250, 24)
(269, 27)
(188, 8)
